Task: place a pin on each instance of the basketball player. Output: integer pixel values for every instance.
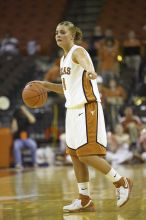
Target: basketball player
(85, 127)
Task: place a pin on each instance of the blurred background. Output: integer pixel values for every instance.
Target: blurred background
(114, 34)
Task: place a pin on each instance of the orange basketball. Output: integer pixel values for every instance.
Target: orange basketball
(34, 95)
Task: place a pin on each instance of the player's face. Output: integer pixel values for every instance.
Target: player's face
(63, 36)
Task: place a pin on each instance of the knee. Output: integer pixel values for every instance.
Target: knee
(17, 144)
(32, 144)
(84, 159)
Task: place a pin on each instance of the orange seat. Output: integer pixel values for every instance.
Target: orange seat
(117, 14)
(5, 147)
(31, 19)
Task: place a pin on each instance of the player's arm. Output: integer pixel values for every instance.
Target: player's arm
(54, 87)
(79, 56)
(31, 118)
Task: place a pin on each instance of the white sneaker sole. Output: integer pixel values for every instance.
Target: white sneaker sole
(91, 208)
(130, 185)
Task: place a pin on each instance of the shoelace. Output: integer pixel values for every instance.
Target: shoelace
(120, 192)
(76, 202)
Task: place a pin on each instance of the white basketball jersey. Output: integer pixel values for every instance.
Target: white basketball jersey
(78, 90)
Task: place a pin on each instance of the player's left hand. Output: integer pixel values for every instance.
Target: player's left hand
(91, 75)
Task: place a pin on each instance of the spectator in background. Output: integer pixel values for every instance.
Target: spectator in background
(139, 96)
(9, 45)
(62, 141)
(118, 142)
(141, 90)
(142, 145)
(108, 52)
(142, 69)
(53, 73)
(115, 96)
(45, 156)
(132, 52)
(63, 145)
(140, 153)
(96, 40)
(32, 47)
(95, 44)
(132, 125)
(22, 118)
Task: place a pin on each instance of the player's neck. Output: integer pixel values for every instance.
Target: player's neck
(67, 49)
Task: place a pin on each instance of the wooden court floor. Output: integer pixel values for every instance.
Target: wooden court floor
(40, 194)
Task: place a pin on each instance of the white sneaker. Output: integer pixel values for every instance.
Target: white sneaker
(76, 206)
(123, 190)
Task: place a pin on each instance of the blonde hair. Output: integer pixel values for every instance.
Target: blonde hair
(76, 31)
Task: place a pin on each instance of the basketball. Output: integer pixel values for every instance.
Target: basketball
(34, 95)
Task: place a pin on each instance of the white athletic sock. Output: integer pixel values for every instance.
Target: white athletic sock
(84, 188)
(113, 175)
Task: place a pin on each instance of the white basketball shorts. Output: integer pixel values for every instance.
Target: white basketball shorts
(85, 130)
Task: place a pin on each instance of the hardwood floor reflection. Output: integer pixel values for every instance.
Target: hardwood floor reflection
(40, 194)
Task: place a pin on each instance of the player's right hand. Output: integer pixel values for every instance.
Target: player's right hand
(37, 81)
(43, 83)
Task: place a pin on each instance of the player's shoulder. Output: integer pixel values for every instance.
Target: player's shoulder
(78, 47)
(78, 50)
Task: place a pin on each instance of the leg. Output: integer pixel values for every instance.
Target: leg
(18, 145)
(92, 131)
(123, 185)
(97, 162)
(80, 169)
(84, 202)
(31, 144)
